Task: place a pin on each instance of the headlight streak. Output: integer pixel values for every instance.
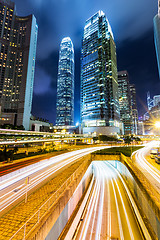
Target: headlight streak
(90, 208)
(33, 168)
(10, 197)
(91, 226)
(118, 213)
(141, 160)
(140, 220)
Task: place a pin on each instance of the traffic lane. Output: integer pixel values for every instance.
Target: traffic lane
(109, 214)
(150, 172)
(14, 192)
(24, 172)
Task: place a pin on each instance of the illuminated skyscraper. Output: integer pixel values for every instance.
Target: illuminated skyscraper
(134, 108)
(18, 41)
(99, 86)
(156, 22)
(65, 84)
(125, 102)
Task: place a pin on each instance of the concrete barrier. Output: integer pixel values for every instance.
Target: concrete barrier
(52, 224)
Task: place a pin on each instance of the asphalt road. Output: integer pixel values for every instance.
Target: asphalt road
(150, 172)
(109, 214)
(13, 186)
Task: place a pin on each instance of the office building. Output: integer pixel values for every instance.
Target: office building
(65, 84)
(125, 102)
(18, 40)
(134, 108)
(156, 100)
(156, 22)
(99, 85)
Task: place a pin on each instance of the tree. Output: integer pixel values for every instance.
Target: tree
(137, 139)
(128, 140)
(106, 138)
(15, 149)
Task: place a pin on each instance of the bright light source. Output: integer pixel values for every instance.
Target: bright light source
(157, 124)
(77, 124)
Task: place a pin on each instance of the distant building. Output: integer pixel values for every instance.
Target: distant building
(150, 102)
(39, 125)
(156, 22)
(140, 129)
(99, 85)
(125, 102)
(65, 84)
(134, 108)
(156, 100)
(154, 113)
(18, 41)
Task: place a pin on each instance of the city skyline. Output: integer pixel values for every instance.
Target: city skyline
(46, 70)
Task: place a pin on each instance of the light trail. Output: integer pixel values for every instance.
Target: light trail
(144, 165)
(38, 173)
(120, 221)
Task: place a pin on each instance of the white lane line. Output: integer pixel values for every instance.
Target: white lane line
(118, 213)
(140, 220)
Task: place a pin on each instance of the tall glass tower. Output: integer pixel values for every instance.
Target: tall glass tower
(99, 85)
(65, 84)
(156, 22)
(125, 102)
(18, 42)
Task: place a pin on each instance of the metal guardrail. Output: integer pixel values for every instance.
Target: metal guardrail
(30, 224)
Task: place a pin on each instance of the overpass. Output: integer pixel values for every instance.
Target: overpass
(17, 137)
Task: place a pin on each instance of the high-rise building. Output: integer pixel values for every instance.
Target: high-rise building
(65, 84)
(125, 102)
(156, 100)
(18, 40)
(99, 85)
(134, 108)
(156, 22)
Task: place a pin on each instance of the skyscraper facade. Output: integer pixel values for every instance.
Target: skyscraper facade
(125, 102)
(156, 22)
(65, 84)
(134, 108)
(99, 85)
(18, 41)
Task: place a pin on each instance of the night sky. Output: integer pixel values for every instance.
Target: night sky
(132, 26)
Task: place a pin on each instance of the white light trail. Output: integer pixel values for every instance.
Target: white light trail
(38, 173)
(144, 164)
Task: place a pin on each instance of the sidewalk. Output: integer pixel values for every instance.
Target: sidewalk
(16, 217)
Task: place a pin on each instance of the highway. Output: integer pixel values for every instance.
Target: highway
(109, 212)
(151, 172)
(13, 186)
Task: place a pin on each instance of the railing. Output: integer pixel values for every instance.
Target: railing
(30, 224)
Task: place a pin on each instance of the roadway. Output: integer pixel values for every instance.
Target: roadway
(150, 171)
(13, 186)
(109, 212)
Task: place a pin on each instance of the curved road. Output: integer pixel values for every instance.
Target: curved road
(13, 186)
(150, 172)
(109, 212)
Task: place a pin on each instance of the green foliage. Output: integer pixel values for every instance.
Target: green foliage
(128, 139)
(117, 150)
(105, 138)
(15, 149)
(11, 126)
(6, 155)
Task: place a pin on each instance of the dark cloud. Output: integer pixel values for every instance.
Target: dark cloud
(139, 58)
(59, 18)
